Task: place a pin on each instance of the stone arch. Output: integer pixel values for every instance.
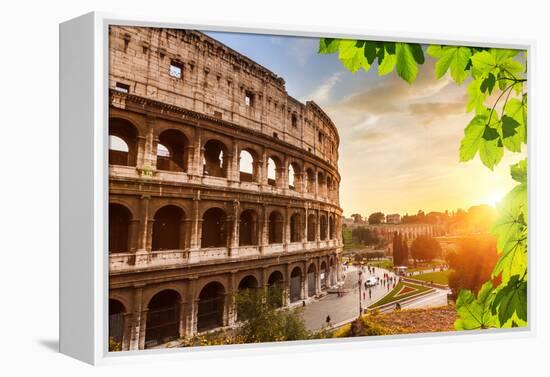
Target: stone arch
(168, 229)
(323, 227)
(120, 219)
(215, 159)
(311, 227)
(311, 280)
(295, 284)
(214, 228)
(248, 228)
(211, 305)
(276, 222)
(248, 282)
(323, 275)
(296, 227)
(116, 319)
(172, 152)
(248, 165)
(275, 284)
(163, 318)
(294, 170)
(310, 177)
(122, 153)
(274, 166)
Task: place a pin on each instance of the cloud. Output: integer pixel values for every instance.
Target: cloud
(321, 94)
(431, 111)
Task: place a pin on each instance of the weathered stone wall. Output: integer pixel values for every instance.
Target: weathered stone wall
(215, 80)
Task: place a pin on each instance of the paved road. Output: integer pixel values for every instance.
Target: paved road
(346, 307)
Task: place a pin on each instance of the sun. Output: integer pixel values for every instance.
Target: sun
(493, 198)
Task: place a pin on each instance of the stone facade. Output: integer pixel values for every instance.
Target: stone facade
(189, 226)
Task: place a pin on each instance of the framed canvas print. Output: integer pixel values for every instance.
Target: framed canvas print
(228, 188)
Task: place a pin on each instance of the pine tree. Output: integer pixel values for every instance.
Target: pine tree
(405, 253)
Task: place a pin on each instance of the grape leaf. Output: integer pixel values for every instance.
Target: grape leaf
(475, 313)
(328, 45)
(519, 171)
(511, 299)
(455, 58)
(476, 97)
(482, 137)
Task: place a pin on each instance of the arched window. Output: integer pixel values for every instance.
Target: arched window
(275, 227)
(323, 275)
(211, 307)
(116, 320)
(311, 227)
(168, 229)
(119, 228)
(163, 319)
(248, 228)
(293, 176)
(311, 280)
(275, 289)
(273, 165)
(310, 180)
(122, 142)
(247, 166)
(172, 151)
(296, 228)
(214, 226)
(323, 226)
(296, 284)
(215, 159)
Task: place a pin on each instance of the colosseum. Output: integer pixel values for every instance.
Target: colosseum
(218, 181)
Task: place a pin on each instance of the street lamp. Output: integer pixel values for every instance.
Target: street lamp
(360, 302)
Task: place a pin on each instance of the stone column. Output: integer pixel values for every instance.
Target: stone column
(318, 226)
(317, 276)
(305, 227)
(264, 229)
(304, 281)
(234, 163)
(133, 235)
(137, 324)
(128, 326)
(287, 229)
(195, 224)
(230, 302)
(194, 165)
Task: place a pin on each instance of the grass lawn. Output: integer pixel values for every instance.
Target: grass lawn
(386, 263)
(406, 289)
(438, 277)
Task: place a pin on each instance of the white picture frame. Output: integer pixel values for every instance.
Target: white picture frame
(84, 191)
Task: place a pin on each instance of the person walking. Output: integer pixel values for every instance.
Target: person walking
(328, 320)
(370, 293)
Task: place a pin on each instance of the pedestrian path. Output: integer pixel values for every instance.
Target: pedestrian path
(345, 307)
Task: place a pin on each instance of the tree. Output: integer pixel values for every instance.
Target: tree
(497, 95)
(405, 252)
(398, 259)
(262, 321)
(472, 263)
(376, 218)
(357, 218)
(425, 248)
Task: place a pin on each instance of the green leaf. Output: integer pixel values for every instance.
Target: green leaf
(328, 45)
(516, 110)
(476, 98)
(511, 299)
(488, 84)
(352, 55)
(406, 65)
(512, 137)
(484, 62)
(455, 58)
(387, 64)
(473, 135)
(519, 171)
(435, 51)
(370, 51)
(417, 52)
(491, 152)
(475, 314)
